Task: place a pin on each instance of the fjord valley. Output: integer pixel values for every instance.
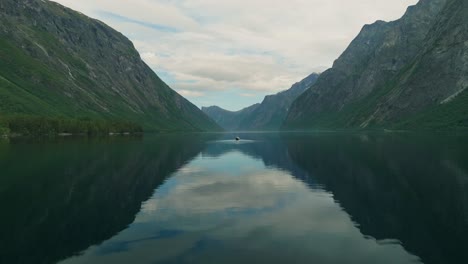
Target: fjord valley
(59, 64)
(364, 161)
(409, 74)
(266, 116)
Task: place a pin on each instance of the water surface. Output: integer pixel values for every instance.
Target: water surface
(204, 198)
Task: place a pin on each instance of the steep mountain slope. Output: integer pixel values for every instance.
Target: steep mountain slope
(227, 119)
(269, 115)
(58, 62)
(272, 112)
(410, 73)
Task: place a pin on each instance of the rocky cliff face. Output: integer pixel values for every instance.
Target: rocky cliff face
(58, 62)
(269, 115)
(410, 73)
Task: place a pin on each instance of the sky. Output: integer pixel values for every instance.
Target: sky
(232, 53)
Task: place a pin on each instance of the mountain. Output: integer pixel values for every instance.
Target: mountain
(269, 115)
(407, 74)
(227, 119)
(272, 112)
(56, 62)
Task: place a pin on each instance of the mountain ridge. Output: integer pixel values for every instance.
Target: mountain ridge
(396, 75)
(229, 120)
(57, 62)
(267, 115)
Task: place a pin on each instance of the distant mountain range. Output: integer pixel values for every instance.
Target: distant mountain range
(408, 74)
(229, 120)
(56, 62)
(268, 115)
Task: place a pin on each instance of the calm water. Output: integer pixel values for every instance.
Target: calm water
(271, 198)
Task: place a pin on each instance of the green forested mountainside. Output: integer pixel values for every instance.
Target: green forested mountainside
(408, 74)
(268, 115)
(55, 62)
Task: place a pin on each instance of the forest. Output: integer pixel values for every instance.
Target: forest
(26, 125)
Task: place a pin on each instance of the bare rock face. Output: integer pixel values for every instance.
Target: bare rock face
(410, 73)
(58, 62)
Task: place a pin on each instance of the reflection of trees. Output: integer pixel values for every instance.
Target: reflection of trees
(413, 190)
(58, 199)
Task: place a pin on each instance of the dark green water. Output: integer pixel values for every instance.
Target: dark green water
(271, 198)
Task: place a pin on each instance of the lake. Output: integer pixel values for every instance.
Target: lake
(204, 198)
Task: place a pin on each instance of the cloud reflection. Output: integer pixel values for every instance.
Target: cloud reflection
(205, 214)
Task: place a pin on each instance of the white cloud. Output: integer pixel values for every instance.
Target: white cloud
(248, 210)
(188, 93)
(230, 45)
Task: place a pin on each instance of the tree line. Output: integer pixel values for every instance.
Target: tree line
(47, 126)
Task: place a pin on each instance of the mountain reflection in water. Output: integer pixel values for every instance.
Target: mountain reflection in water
(271, 198)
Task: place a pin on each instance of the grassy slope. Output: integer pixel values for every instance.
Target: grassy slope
(452, 115)
(449, 116)
(33, 82)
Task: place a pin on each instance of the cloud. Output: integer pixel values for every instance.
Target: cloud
(212, 46)
(138, 22)
(207, 213)
(188, 93)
